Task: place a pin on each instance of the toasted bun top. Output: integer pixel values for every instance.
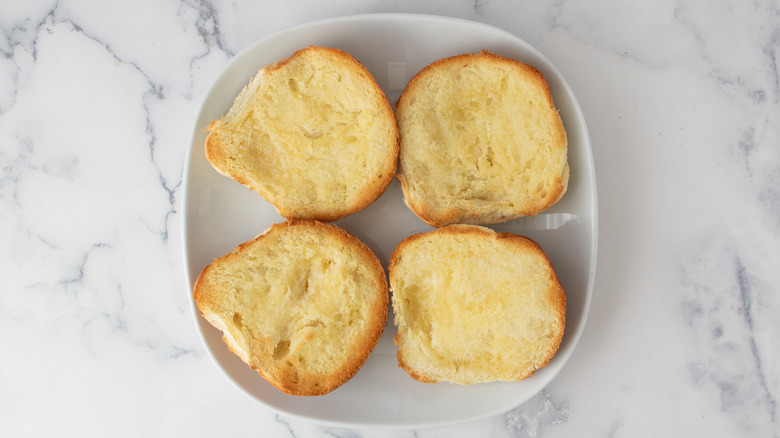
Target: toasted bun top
(481, 141)
(304, 304)
(473, 305)
(313, 134)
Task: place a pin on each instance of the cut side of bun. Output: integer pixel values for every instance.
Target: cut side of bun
(313, 134)
(303, 304)
(474, 306)
(481, 141)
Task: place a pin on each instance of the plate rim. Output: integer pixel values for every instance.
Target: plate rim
(190, 276)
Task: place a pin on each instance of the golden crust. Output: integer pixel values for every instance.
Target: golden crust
(457, 209)
(554, 301)
(218, 304)
(367, 189)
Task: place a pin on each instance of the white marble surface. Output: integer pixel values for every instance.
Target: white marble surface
(682, 100)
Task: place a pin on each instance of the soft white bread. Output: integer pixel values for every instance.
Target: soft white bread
(313, 134)
(481, 141)
(303, 304)
(472, 305)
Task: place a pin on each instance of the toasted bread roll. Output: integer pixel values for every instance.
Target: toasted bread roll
(481, 141)
(304, 304)
(472, 306)
(313, 134)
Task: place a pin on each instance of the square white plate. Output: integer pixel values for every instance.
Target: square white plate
(219, 214)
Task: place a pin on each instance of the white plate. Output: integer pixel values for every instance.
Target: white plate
(219, 214)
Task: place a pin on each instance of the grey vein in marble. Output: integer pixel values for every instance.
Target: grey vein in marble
(208, 25)
(720, 309)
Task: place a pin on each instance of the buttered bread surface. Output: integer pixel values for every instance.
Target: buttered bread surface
(474, 306)
(481, 141)
(304, 304)
(313, 134)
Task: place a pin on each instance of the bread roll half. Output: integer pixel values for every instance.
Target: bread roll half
(303, 304)
(313, 134)
(481, 141)
(473, 306)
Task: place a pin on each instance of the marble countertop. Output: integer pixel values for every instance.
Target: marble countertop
(682, 101)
